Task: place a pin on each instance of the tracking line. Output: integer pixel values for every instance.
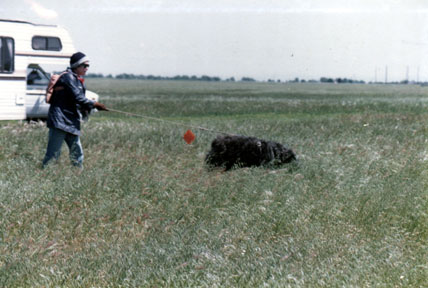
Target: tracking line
(168, 121)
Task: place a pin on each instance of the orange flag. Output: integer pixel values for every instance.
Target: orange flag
(189, 137)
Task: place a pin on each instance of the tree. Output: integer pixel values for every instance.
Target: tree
(326, 80)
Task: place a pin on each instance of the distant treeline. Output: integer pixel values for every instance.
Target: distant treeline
(232, 79)
(178, 77)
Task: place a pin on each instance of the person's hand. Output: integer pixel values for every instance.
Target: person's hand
(100, 106)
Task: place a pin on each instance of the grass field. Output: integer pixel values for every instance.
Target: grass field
(147, 213)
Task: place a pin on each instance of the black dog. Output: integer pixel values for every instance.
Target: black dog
(228, 151)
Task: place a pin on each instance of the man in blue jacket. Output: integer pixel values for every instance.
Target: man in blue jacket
(67, 105)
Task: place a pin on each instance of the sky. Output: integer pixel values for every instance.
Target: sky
(261, 39)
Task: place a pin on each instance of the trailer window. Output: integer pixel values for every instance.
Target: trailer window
(46, 43)
(36, 77)
(7, 55)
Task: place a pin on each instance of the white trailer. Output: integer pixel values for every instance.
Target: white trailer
(26, 50)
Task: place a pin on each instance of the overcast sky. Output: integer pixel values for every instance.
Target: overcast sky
(263, 39)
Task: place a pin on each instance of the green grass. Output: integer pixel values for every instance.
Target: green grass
(147, 213)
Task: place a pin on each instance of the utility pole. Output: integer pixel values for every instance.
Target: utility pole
(375, 74)
(386, 74)
(407, 74)
(417, 77)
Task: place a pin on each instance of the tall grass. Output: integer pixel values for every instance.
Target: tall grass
(147, 213)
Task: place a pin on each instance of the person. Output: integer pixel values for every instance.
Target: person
(67, 105)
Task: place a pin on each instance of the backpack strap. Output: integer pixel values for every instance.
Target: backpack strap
(51, 86)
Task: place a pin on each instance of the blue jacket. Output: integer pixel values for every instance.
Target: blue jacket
(67, 104)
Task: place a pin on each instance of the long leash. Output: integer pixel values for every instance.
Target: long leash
(169, 121)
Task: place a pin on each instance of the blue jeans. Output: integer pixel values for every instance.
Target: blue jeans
(56, 137)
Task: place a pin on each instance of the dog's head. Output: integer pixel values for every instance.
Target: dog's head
(283, 154)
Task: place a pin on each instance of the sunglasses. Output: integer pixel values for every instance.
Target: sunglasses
(85, 65)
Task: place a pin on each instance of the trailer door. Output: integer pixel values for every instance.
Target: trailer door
(37, 81)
